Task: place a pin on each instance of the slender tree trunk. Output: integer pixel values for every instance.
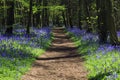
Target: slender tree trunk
(63, 2)
(34, 20)
(79, 14)
(29, 17)
(87, 12)
(67, 19)
(38, 20)
(4, 18)
(64, 20)
(53, 18)
(10, 17)
(69, 13)
(45, 19)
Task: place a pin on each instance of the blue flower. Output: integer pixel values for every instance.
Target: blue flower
(3, 54)
(115, 75)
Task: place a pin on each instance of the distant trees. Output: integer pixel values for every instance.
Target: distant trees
(100, 16)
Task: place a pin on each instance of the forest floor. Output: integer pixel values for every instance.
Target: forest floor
(60, 62)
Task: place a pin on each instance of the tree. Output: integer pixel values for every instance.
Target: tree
(106, 24)
(110, 23)
(87, 14)
(69, 10)
(10, 16)
(79, 14)
(102, 30)
(45, 18)
(38, 20)
(29, 17)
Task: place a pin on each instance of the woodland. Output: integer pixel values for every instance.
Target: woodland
(30, 29)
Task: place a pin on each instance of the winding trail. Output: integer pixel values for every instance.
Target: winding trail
(60, 61)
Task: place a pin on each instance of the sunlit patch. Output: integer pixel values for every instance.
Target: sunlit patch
(18, 51)
(102, 60)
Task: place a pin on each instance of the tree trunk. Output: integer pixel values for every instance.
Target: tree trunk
(110, 23)
(106, 22)
(64, 20)
(29, 17)
(87, 12)
(79, 14)
(45, 19)
(10, 17)
(38, 20)
(102, 27)
(69, 14)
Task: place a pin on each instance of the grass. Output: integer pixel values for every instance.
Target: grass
(102, 61)
(17, 56)
(12, 68)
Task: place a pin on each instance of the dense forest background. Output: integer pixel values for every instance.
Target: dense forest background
(92, 15)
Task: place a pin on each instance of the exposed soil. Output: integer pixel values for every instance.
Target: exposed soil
(60, 62)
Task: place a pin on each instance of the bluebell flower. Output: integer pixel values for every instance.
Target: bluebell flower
(3, 54)
(115, 75)
(118, 33)
(32, 40)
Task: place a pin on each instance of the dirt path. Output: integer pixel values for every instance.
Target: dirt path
(60, 62)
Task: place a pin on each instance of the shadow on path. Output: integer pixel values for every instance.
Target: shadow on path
(60, 46)
(60, 62)
(61, 57)
(61, 37)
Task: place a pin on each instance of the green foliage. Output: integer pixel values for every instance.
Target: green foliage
(35, 9)
(25, 3)
(14, 68)
(101, 65)
(57, 8)
(22, 55)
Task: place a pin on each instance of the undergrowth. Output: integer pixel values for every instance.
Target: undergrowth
(102, 61)
(19, 51)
